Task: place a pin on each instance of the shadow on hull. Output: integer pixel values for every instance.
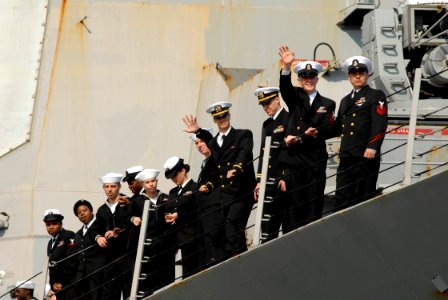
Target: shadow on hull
(388, 248)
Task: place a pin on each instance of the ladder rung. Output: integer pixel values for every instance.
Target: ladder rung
(264, 236)
(275, 145)
(390, 47)
(390, 65)
(397, 84)
(387, 28)
(268, 199)
(266, 218)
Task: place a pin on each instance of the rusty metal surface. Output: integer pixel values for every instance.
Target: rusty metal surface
(388, 248)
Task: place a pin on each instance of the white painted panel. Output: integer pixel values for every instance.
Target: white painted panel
(21, 32)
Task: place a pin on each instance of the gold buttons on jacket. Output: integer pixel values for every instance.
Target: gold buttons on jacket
(352, 124)
(342, 135)
(228, 164)
(351, 132)
(222, 186)
(354, 115)
(298, 127)
(343, 125)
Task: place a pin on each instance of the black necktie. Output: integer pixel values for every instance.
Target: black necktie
(223, 137)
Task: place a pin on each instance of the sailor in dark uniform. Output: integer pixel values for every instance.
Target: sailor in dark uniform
(209, 210)
(181, 214)
(306, 160)
(24, 290)
(232, 153)
(275, 127)
(160, 267)
(91, 257)
(135, 187)
(61, 245)
(112, 234)
(362, 123)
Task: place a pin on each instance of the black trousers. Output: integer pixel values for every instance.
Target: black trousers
(117, 276)
(159, 269)
(235, 212)
(356, 180)
(186, 239)
(275, 213)
(89, 280)
(301, 189)
(211, 231)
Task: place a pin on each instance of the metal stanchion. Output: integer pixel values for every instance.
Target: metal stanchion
(262, 192)
(140, 249)
(412, 127)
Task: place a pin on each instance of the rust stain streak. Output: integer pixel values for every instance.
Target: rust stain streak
(50, 91)
(56, 51)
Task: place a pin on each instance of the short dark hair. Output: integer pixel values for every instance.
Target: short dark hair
(82, 202)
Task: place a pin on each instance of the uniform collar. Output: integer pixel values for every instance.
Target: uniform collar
(277, 113)
(227, 132)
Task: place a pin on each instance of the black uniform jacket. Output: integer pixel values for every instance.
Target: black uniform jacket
(157, 228)
(64, 246)
(362, 122)
(209, 174)
(320, 115)
(106, 220)
(235, 154)
(276, 129)
(185, 206)
(91, 257)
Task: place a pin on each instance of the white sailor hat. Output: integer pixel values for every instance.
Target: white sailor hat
(172, 166)
(53, 214)
(111, 178)
(308, 68)
(193, 137)
(219, 109)
(131, 173)
(357, 64)
(25, 285)
(147, 174)
(266, 94)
